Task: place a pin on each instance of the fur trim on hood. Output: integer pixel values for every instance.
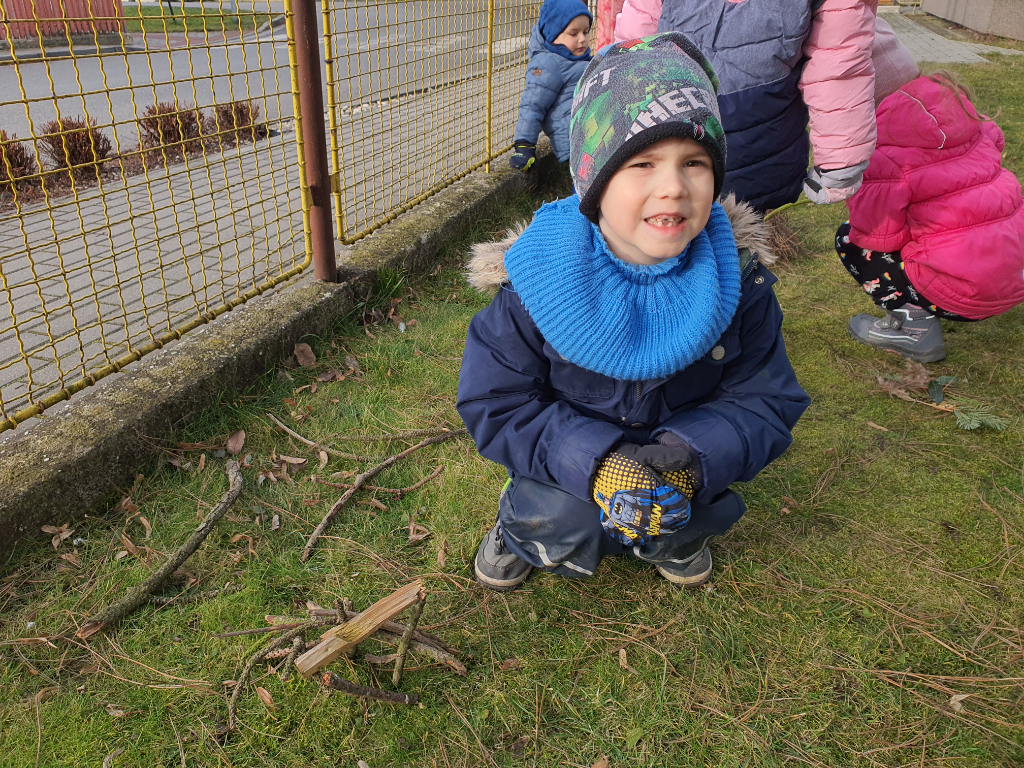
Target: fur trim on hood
(486, 269)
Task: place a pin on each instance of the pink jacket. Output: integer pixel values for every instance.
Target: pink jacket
(936, 190)
(837, 80)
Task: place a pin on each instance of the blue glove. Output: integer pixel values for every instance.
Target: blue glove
(524, 156)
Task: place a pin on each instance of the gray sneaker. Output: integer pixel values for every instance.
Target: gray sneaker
(495, 566)
(689, 574)
(913, 332)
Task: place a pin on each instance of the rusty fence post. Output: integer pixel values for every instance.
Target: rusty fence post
(314, 138)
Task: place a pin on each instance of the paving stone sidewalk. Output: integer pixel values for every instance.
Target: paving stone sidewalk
(931, 47)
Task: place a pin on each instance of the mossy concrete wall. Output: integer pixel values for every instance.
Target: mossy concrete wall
(80, 455)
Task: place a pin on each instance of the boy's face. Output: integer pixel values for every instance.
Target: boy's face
(574, 36)
(657, 201)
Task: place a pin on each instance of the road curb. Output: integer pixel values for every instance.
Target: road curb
(80, 455)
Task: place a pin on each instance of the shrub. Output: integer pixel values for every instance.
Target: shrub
(238, 122)
(174, 130)
(16, 159)
(76, 144)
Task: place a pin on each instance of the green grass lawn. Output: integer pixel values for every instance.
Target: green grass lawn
(867, 611)
(181, 18)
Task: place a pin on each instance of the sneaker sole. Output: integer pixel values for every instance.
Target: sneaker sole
(928, 357)
(688, 582)
(499, 585)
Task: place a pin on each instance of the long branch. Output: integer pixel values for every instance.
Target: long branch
(311, 444)
(369, 475)
(139, 596)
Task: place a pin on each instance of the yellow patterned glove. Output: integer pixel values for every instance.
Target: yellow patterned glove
(636, 505)
(671, 460)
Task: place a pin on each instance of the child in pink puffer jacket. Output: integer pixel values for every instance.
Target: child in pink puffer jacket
(937, 229)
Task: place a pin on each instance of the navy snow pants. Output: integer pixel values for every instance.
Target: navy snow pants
(552, 529)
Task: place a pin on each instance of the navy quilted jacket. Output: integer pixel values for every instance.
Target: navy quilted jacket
(545, 418)
(547, 98)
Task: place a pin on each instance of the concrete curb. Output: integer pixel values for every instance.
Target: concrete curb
(77, 458)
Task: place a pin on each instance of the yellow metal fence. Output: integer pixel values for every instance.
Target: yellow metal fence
(148, 185)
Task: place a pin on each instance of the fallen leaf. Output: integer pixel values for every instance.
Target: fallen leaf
(146, 525)
(275, 522)
(508, 664)
(875, 426)
(785, 511)
(352, 363)
(410, 324)
(442, 553)
(126, 506)
(312, 388)
(955, 700)
(623, 663)
(71, 557)
(306, 386)
(323, 459)
(123, 553)
(114, 711)
(305, 355)
(238, 537)
(375, 503)
(519, 746)
(417, 532)
(129, 544)
(265, 696)
(51, 529)
(236, 441)
(602, 763)
(229, 683)
(295, 462)
(202, 462)
(59, 534)
(89, 670)
(342, 475)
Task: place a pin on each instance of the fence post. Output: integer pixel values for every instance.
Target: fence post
(314, 139)
(490, 74)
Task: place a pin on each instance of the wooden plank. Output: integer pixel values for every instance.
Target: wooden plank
(337, 640)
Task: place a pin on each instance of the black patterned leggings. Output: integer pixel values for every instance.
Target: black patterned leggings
(882, 277)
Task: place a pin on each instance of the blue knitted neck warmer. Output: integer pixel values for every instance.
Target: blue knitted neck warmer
(628, 322)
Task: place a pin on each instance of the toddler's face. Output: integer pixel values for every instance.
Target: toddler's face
(658, 201)
(574, 37)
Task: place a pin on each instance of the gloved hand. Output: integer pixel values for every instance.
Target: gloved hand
(824, 187)
(637, 505)
(524, 156)
(671, 459)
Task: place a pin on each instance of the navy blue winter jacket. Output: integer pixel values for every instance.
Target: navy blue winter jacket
(543, 417)
(547, 98)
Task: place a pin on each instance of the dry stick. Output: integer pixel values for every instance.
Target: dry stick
(184, 599)
(336, 683)
(403, 644)
(311, 444)
(257, 657)
(399, 492)
(140, 595)
(368, 475)
(404, 434)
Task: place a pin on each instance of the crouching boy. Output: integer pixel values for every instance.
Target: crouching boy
(631, 366)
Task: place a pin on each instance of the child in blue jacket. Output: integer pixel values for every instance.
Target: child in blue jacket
(559, 52)
(631, 366)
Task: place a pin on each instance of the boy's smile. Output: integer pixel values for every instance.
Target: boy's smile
(658, 201)
(574, 36)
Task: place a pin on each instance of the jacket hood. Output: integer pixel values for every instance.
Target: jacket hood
(939, 118)
(486, 269)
